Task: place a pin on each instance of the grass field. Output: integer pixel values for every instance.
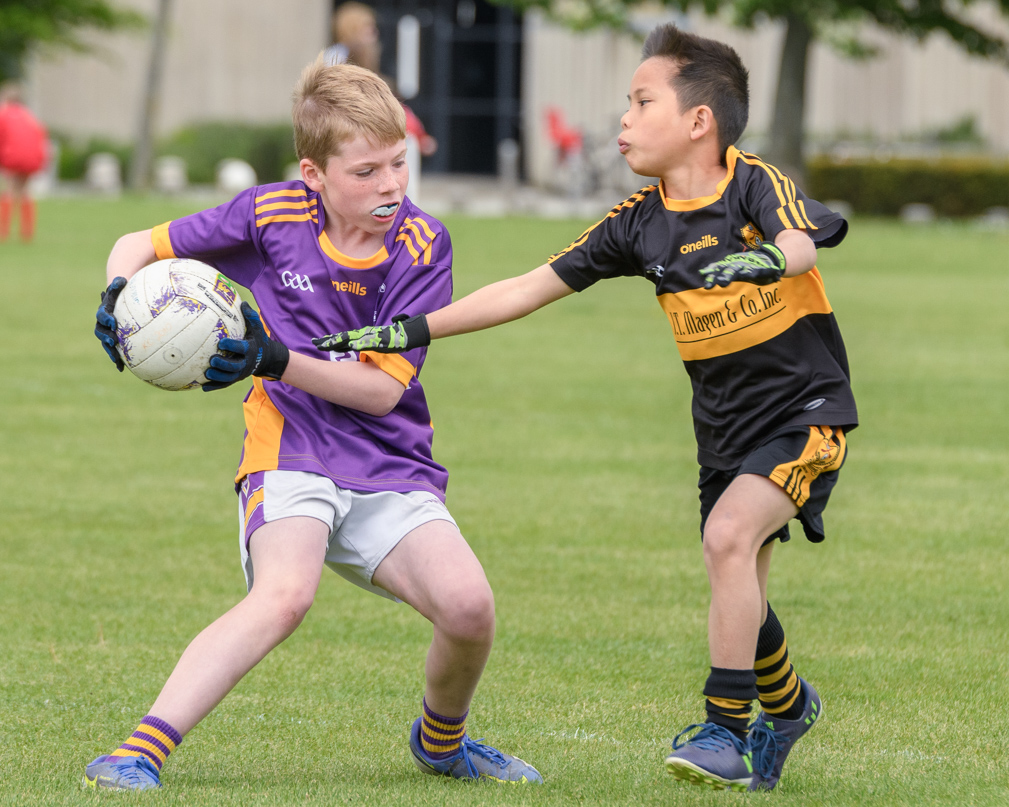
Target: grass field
(569, 440)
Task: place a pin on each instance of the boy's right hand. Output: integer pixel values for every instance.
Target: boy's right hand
(405, 333)
(105, 329)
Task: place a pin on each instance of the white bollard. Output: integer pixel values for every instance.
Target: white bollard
(103, 173)
(234, 176)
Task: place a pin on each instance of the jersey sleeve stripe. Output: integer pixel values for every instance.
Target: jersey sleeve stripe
(162, 242)
(792, 212)
(412, 226)
(275, 194)
(286, 206)
(302, 217)
(749, 159)
(628, 203)
(393, 364)
(805, 217)
(409, 245)
(427, 229)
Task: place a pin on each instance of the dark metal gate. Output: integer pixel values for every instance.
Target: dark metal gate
(469, 90)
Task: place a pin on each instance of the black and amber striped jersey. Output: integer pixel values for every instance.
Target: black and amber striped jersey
(758, 357)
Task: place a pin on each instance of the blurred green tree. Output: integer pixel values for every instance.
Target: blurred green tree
(26, 25)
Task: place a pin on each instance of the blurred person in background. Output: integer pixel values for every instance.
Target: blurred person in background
(23, 152)
(356, 41)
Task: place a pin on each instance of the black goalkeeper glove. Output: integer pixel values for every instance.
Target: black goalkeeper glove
(762, 266)
(105, 329)
(257, 354)
(404, 334)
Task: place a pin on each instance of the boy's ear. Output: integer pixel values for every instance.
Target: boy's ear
(703, 122)
(311, 174)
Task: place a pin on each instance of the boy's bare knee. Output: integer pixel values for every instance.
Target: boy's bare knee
(469, 617)
(284, 606)
(725, 541)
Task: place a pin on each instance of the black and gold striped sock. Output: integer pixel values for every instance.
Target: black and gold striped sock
(729, 695)
(777, 684)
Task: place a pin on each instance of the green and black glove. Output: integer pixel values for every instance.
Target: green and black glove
(762, 266)
(405, 333)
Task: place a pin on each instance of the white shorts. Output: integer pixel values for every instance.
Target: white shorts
(363, 527)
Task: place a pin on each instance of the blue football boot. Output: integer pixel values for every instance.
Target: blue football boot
(716, 757)
(122, 773)
(786, 732)
(474, 760)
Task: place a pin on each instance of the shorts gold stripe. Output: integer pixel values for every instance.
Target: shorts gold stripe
(255, 500)
(822, 454)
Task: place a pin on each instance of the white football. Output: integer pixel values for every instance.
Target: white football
(169, 319)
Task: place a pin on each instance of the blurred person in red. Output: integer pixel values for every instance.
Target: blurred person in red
(23, 152)
(356, 41)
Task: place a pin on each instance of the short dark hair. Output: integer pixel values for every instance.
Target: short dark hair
(706, 72)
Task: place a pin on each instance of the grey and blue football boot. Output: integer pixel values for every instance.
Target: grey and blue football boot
(122, 773)
(786, 732)
(474, 760)
(717, 758)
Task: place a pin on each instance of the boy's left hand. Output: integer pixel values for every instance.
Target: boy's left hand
(257, 354)
(405, 333)
(762, 266)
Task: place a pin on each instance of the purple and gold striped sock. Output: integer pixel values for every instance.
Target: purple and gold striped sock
(154, 739)
(441, 736)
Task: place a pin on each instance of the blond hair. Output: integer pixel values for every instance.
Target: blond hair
(336, 103)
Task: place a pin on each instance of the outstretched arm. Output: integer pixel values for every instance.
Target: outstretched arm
(492, 305)
(498, 303)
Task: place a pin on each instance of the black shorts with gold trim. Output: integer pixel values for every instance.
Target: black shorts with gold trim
(803, 460)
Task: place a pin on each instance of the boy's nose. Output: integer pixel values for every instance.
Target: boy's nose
(388, 183)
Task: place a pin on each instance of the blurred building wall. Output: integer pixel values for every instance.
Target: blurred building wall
(226, 60)
(239, 59)
(908, 89)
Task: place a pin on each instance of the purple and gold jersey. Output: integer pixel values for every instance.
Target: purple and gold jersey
(271, 240)
(759, 357)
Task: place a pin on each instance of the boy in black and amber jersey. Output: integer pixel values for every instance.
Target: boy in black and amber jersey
(730, 244)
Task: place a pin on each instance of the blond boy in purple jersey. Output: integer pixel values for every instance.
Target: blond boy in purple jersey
(336, 467)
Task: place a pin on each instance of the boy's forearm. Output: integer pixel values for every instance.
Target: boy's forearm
(799, 250)
(356, 385)
(498, 303)
(130, 254)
